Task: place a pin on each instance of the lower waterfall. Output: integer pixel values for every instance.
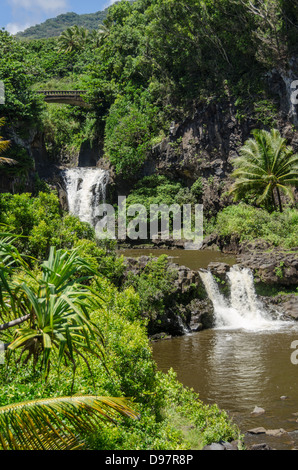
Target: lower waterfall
(86, 190)
(242, 309)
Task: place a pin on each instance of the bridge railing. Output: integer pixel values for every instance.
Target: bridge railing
(61, 92)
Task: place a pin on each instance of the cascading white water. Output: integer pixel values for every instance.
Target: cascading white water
(242, 309)
(182, 326)
(86, 190)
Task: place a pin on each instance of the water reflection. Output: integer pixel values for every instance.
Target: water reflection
(239, 370)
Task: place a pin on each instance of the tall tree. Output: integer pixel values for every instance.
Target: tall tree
(97, 36)
(269, 30)
(266, 167)
(73, 39)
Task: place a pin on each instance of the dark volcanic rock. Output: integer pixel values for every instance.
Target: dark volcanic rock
(187, 308)
(290, 307)
(222, 446)
(271, 267)
(262, 446)
(219, 269)
(200, 313)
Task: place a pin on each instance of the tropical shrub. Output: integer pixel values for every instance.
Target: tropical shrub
(249, 223)
(4, 145)
(41, 223)
(57, 309)
(129, 129)
(155, 286)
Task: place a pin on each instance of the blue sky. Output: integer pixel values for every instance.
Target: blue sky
(17, 15)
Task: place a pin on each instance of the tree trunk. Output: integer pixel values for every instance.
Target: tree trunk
(279, 199)
(12, 323)
(273, 200)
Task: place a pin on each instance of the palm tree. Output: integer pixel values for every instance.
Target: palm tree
(57, 423)
(266, 166)
(73, 38)
(4, 144)
(98, 36)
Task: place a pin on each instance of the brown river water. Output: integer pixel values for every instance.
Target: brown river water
(193, 259)
(237, 368)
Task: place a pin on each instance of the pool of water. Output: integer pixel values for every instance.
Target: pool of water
(239, 370)
(193, 259)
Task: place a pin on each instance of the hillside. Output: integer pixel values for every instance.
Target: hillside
(54, 26)
(186, 132)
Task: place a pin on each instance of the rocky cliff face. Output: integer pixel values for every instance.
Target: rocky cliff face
(204, 145)
(19, 181)
(281, 83)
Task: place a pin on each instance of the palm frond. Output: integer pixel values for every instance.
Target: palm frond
(265, 164)
(58, 423)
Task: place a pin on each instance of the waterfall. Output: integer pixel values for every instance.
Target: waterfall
(86, 190)
(182, 326)
(242, 309)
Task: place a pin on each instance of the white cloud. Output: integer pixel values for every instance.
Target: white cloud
(14, 28)
(26, 13)
(109, 3)
(44, 5)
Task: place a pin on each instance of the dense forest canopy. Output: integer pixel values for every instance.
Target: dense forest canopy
(151, 63)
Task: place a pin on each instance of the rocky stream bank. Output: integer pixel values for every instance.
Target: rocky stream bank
(275, 274)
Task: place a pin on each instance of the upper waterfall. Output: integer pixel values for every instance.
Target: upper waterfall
(86, 190)
(242, 309)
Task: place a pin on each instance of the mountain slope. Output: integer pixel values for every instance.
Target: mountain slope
(54, 26)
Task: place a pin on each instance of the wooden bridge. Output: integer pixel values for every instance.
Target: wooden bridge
(73, 97)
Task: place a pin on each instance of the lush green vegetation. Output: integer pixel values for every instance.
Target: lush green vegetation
(137, 77)
(69, 330)
(139, 81)
(72, 320)
(248, 223)
(40, 223)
